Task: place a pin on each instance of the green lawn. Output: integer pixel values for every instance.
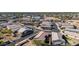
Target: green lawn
(39, 43)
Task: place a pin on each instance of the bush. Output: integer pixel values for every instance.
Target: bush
(1, 42)
(1, 34)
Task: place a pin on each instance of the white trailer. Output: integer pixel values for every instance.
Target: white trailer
(54, 36)
(55, 39)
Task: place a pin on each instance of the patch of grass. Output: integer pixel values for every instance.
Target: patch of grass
(39, 42)
(11, 44)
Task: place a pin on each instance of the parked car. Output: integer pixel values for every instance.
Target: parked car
(27, 32)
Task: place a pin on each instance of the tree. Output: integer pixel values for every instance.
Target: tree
(1, 42)
(1, 35)
(65, 38)
(9, 31)
(46, 39)
(50, 39)
(4, 31)
(75, 27)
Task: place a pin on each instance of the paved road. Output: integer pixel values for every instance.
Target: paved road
(19, 39)
(25, 40)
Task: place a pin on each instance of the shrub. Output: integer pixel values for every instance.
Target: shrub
(1, 34)
(1, 42)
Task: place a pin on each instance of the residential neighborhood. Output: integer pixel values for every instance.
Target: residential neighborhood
(39, 29)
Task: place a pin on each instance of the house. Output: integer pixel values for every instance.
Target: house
(36, 18)
(46, 25)
(72, 34)
(14, 27)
